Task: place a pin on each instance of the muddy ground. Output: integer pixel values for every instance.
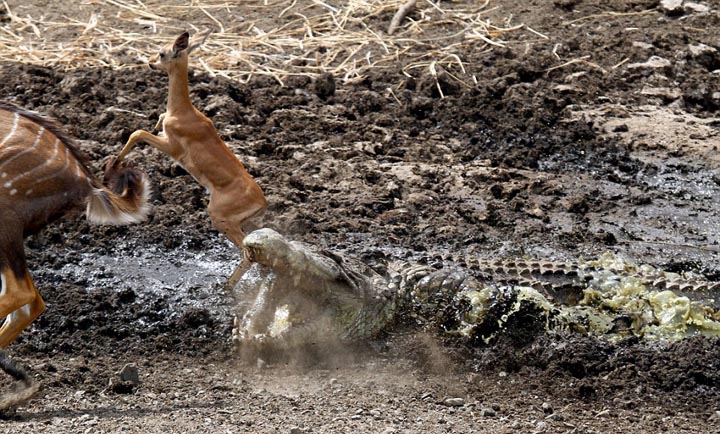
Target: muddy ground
(566, 147)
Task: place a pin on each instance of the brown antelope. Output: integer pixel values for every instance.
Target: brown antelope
(190, 138)
(43, 176)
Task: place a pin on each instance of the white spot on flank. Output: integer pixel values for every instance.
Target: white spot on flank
(8, 184)
(3, 175)
(29, 192)
(13, 192)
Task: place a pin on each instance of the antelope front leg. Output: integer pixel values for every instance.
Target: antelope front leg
(159, 124)
(138, 136)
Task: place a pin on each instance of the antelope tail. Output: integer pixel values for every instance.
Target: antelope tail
(121, 199)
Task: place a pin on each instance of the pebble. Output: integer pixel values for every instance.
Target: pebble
(671, 7)
(654, 62)
(696, 7)
(487, 412)
(557, 417)
(547, 408)
(295, 430)
(454, 402)
(662, 92)
(642, 45)
(697, 50)
(130, 373)
(541, 427)
(715, 418)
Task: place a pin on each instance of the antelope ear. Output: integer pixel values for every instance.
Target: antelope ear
(181, 43)
(198, 39)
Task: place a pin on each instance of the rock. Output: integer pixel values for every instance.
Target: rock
(642, 45)
(487, 412)
(715, 418)
(295, 430)
(556, 417)
(672, 7)
(126, 381)
(547, 408)
(566, 4)
(705, 55)
(697, 50)
(566, 88)
(130, 373)
(665, 93)
(574, 76)
(454, 402)
(654, 62)
(691, 7)
(324, 85)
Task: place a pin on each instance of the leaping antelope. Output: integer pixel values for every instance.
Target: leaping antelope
(43, 176)
(190, 138)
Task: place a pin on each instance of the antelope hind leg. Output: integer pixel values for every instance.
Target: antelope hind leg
(20, 304)
(239, 271)
(21, 394)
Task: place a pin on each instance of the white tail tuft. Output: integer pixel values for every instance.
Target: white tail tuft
(106, 207)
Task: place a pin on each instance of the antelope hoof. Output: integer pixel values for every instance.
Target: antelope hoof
(23, 393)
(112, 162)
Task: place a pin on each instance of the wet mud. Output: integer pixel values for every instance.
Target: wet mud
(535, 160)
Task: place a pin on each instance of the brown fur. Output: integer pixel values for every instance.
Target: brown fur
(42, 177)
(192, 140)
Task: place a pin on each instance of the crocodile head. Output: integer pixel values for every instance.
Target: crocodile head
(294, 294)
(292, 259)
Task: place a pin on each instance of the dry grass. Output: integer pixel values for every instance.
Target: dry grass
(265, 37)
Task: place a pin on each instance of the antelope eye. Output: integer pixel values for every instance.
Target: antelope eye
(162, 54)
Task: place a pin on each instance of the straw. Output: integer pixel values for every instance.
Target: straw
(306, 38)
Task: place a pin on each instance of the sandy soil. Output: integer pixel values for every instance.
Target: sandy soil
(569, 146)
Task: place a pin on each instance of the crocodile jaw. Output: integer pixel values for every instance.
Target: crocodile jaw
(266, 246)
(290, 258)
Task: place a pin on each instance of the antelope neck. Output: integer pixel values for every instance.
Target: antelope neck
(179, 93)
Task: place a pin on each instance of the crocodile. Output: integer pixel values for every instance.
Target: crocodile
(294, 294)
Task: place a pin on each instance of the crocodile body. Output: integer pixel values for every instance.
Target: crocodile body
(295, 294)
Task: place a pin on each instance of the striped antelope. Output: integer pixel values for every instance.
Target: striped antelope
(43, 176)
